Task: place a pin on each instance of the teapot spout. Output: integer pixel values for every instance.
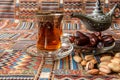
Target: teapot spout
(112, 10)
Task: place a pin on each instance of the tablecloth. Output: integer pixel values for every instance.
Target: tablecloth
(16, 64)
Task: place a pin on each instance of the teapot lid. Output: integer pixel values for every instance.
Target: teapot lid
(98, 8)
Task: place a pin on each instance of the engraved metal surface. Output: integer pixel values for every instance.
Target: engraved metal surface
(97, 21)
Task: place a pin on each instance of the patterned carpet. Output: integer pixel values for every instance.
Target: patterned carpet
(15, 65)
(7, 9)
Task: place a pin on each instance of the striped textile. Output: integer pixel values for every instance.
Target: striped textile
(18, 65)
(27, 9)
(7, 9)
(25, 26)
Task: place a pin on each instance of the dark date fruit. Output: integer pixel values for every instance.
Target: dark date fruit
(106, 36)
(98, 34)
(79, 34)
(93, 39)
(107, 40)
(72, 39)
(81, 39)
(90, 40)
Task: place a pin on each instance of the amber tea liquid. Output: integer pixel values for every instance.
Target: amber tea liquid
(49, 33)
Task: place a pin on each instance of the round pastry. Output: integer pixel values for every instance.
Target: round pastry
(114, 67)
(83, 63)
(93, 71)
(89, 66)
(77, 58)
(89, 57)
(105, 69)
(105, 58)
(117, 55)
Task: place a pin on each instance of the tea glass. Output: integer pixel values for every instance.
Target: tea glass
(50, 40)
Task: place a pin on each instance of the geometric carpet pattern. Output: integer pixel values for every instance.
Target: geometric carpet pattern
(18, 64)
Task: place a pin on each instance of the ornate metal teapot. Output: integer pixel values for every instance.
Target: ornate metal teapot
(97, 21)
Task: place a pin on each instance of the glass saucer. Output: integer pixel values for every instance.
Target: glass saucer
(64, 51)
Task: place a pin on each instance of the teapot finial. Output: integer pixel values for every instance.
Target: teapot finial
(98, 2)
(98, 9)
